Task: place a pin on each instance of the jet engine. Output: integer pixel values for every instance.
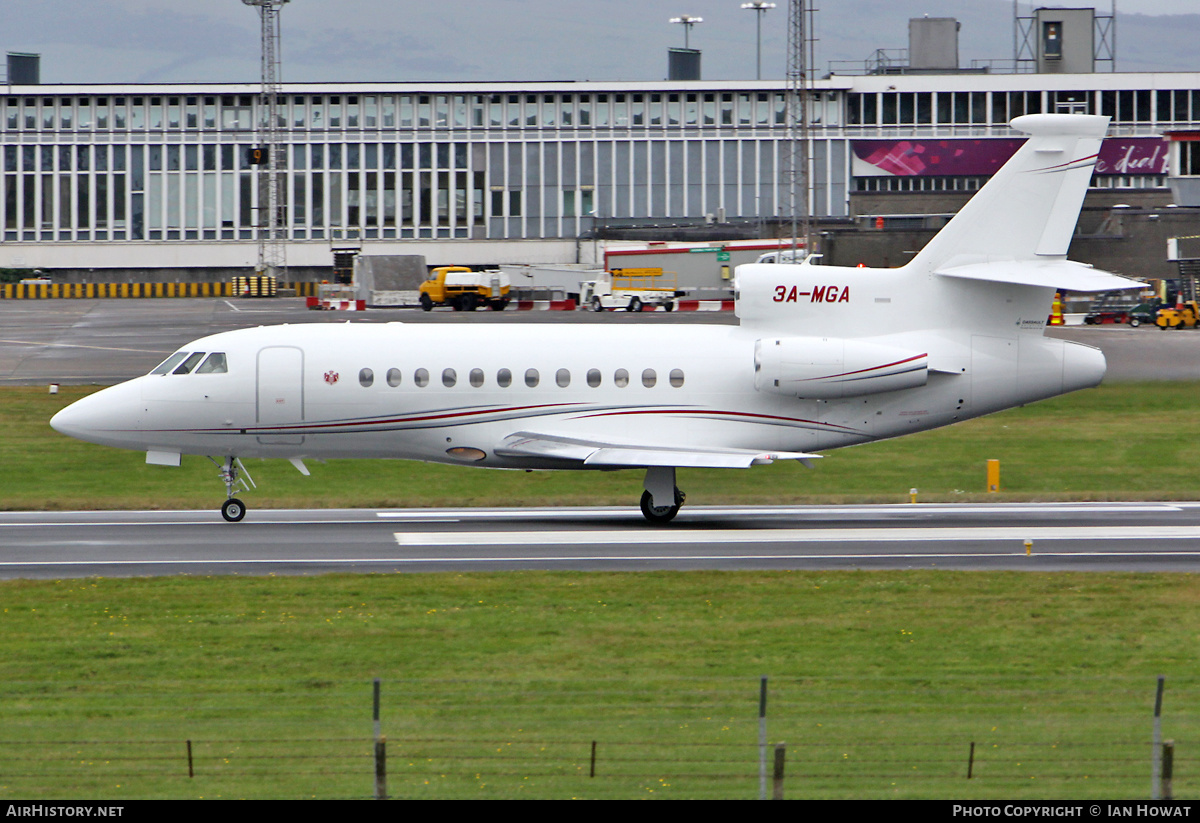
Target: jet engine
(830, 368)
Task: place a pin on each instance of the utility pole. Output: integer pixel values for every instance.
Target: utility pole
(797, 158)
(272, 259)
(759, 9)
(687, 21)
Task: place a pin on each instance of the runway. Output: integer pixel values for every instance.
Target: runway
(1003, 537)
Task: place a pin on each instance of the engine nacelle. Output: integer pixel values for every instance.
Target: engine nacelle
(830, 368)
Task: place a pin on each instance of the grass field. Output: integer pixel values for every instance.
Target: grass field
(497, 685)
(1125, 441)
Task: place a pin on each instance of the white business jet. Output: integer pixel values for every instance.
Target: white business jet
(823, 357)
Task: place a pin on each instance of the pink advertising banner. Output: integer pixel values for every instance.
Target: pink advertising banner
(982, 158)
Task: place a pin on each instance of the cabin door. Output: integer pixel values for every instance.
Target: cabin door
(280, 397)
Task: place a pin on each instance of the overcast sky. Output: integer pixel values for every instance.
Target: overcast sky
(165, 41)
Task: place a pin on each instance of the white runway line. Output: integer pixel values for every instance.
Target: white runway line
(886, 535)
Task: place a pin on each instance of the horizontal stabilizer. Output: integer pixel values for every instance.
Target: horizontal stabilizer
(595, 454)
(1057, 274)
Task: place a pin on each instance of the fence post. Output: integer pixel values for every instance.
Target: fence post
(191, 772)
(592, 773)
(780, 753)
(375, 713)
(971, 761)
(381, 768)
(1156, 754)
(762, 739)
(1168, 769)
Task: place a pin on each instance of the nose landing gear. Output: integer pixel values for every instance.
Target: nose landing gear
(233, 510)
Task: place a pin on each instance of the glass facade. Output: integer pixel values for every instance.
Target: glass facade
(177, 166)
(159, 164)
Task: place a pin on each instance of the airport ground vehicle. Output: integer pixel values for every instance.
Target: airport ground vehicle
(1144, 313)
(629, 289)
(1113, 307)
(1185, 316)
(463, 289)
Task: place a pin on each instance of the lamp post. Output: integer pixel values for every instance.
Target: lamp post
(759, 9)
(687, 21)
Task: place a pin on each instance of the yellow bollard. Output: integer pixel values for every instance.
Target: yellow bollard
(993, 476)
(912, 495)
(1028, 547)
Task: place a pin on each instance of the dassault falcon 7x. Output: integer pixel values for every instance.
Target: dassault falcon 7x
(822, 357)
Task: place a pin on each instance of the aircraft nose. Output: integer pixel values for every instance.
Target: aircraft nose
(104, 417)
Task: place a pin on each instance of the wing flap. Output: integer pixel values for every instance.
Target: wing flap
(598, 455)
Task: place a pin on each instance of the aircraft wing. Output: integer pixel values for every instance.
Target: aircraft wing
(596, 454)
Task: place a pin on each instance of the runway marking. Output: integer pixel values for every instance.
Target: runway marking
(881, 535)
(79, 346)
(722, 511)
(255, 311)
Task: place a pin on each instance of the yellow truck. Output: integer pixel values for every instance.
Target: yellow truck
(463, 289)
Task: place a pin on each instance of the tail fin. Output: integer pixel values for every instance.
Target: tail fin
(1028, 210)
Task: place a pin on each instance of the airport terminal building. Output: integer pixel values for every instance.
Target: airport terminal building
(143, 177)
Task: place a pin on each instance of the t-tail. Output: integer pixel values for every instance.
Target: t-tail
(972, 306)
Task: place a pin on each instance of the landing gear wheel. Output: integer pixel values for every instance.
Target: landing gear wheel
(660, 515)
(233, 510)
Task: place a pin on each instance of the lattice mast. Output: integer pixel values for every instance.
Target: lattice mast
(797, 152)
(272, 254)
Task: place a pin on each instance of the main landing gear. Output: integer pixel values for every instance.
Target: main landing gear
(233, 510)
(662, 498)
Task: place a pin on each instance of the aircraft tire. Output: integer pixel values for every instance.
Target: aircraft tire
(660, 515)
(233, 510)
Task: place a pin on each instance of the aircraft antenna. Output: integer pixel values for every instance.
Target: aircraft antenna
(797, 170)
(271, 155)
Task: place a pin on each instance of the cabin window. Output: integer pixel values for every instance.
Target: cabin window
(476, 377)
(449, 378)
(621, 378)
(531, 378)
(189, 364)
(593, 377)
(563, 378)
(421, 377)
(366, 377)
(393, 377)
(676, 377)
(649, 378)
(215, 364)
(504, 378)
(170, 363)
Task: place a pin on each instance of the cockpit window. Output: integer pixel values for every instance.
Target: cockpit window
(170, 363)
(215, 364)
(189, 364)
